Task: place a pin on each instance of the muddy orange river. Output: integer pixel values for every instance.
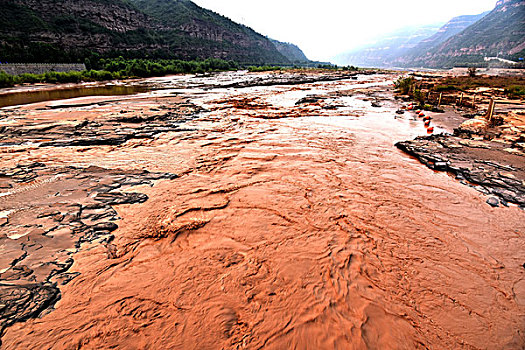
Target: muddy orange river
(290, 226)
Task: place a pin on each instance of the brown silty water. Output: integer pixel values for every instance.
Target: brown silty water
(310, 232)
(16, 97)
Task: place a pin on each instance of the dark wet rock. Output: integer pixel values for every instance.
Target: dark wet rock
(18, 303)
(486, 166)
(287, 79)
(115, 198)
(19, 174)
(311, 99)
(400, 111)
(112, 251)
(48, 213)
(88, 141)
(132, 119)
(105, 132)
(440, 165)
(493, 202)
(16, 273)
(66, 277)
(105, 226)
(105, 212)
(40, 261)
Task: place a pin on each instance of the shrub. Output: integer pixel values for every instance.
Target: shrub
(69, 77)
(6, 80)
(51, 77)
(97, 75)
(29, 78)
(441, 88)
(263, 68)
(404, 85)
(515, 91)
(419, 96)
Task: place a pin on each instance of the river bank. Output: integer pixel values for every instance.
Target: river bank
(212, 215)
(485, 116)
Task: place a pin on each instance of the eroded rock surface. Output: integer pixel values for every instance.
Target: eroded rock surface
(483, 164)
(52, 212)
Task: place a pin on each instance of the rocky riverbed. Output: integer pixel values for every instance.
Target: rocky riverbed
(266, 210)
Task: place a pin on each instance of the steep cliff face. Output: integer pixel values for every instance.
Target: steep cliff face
(116, 16)
(290, 51)
(217, 34)
(500, 33)
(69, 30)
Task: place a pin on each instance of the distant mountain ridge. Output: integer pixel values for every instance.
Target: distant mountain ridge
(383, 52)
(70, 30)
(464, 40)
(451, 28)
(499, 33)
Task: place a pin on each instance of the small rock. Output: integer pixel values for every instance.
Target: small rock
(440, 165)
(105, 226)
(493, 202)
(3, 221)
(5, 185)
(400, 111)
(112, 251)
(48, 213)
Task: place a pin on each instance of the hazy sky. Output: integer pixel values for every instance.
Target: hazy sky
(325, 28)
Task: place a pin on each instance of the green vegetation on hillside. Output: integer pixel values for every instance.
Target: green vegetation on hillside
(292, 52)
(498, 34)
(35, 31)
(215, 34)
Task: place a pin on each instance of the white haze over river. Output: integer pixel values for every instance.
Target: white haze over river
(325, 29)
